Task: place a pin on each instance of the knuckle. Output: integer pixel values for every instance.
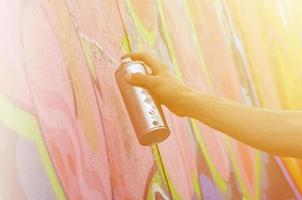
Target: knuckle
(155, 84)
(143, 77)
(137, 77)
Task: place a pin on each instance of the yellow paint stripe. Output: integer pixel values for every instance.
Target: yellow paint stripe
(196, 41)
(26, 125)
(241, 182)
(168, 40)
(125, 44)
(164, 173)
(196, 186)
(150, 36)
(216, 176)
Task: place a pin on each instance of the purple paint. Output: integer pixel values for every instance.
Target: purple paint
(288, 178)
(209, 190)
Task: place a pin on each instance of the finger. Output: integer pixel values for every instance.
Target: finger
(155, 65)
(142, 80)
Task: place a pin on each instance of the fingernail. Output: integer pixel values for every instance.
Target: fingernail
(128, 77)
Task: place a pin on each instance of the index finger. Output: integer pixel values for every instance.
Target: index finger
(155, 65)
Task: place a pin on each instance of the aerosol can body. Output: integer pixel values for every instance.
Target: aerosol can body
(145, 113)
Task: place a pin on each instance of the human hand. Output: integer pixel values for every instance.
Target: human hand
(162, 84)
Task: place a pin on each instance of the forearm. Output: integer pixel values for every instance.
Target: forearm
(274, 131)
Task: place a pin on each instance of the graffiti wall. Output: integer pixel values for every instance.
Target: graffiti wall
(65, 132)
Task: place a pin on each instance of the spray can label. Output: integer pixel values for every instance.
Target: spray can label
(145, 113)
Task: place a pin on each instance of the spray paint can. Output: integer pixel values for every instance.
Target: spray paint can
(145, 113)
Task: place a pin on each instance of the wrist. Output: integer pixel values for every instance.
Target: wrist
(188, 102)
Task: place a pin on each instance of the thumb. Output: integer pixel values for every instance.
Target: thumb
(140, 79)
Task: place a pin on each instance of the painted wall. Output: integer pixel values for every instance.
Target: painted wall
(64, 130)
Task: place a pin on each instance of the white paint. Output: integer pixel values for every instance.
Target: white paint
(156, 188)
(220, 12)
(246, 96)
(282, 12)
(98, 46)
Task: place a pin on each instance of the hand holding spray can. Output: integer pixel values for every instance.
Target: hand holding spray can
(145, 114)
